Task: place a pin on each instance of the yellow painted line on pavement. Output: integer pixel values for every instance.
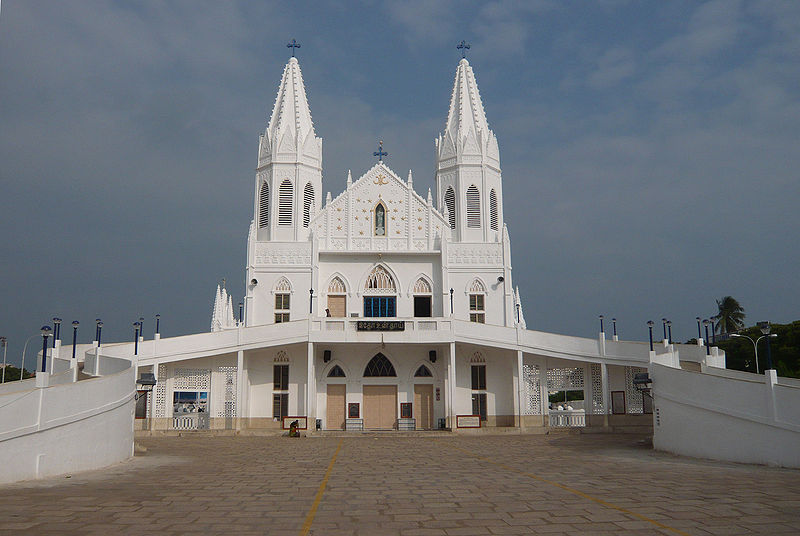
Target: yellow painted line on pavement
(320, 491)
(574, 491)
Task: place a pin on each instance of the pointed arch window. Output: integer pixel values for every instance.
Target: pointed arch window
(283, 291)
(450, 203)
(285, 202)
(473, 207)
(337, 298)
(380, 220)
(379, 366)
(263, 206)
(423, 372)
(477, 305)
(380, 282)
(422, 286)
(493, 210)
(336, 286)
(422, 298)
(308, 203)
(336, 372)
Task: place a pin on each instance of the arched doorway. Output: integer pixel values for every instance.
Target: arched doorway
(380, 399)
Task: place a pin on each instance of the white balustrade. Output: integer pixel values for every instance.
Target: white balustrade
(567, 418)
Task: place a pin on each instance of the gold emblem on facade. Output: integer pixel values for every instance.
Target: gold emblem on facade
(380, 180)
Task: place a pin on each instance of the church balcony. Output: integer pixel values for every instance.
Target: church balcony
(406, 330)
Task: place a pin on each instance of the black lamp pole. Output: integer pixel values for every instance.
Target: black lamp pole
(614, 323)
(241, 312)
(141, 326)
(765, 329)
(650, 329)
(136, 338)
(310, 300)
(708, 347)
(699, 334)
(669, 330)
(158, 324)
(75, 325)
(45, 334)
(517, 313)
(664, 325)
(99, 332)
(56, 330)
(97, 329)
(451, 301)
(601, 324)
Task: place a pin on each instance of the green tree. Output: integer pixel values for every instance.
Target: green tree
(730, 316)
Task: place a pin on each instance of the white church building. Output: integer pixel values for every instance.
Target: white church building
(381, 308)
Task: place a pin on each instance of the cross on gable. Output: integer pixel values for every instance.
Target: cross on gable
(293, 45)
(463, 46)
(380, 153)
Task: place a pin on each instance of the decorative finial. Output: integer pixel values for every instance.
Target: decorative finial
(349, 179)
(463, 46)
(294, 44)
(410, 178)
(380, 153)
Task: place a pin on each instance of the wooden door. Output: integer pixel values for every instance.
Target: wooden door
(336, 306)
(423, 406)
(380, 407)
(336, 405)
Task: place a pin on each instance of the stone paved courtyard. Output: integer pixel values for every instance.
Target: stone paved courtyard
(385, 485)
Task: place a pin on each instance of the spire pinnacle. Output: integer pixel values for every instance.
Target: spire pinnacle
(291, 129)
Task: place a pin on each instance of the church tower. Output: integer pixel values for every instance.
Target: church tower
(288, 189)
(468, 180)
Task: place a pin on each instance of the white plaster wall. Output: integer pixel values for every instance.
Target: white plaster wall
(460, 282)
(67, 428)
(263, 294)
(500, 372)
(260, 381)
(720, 417)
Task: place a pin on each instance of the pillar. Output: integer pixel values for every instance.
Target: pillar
(451, 384)
(606, 393)
(519, 387)
(311, 390)
(239, 389)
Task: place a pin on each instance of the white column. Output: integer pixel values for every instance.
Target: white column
(239, 389)
(520, 382)
(311, 389)
(606, 393)
(451, 384)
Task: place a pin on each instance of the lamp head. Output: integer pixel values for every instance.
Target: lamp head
(706, 322)
(56, 320)
(75, 323)
(99, 324)
(764, 327)
(46, 331)
(697, 318)
(669, 322)
(650, 323)
(601, 317)
(735, 335)
(158, 316)
(3, 341)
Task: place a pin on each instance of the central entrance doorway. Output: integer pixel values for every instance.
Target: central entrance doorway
(380, 407)
(423, 406)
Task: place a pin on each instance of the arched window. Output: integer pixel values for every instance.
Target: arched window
(379, 366)
(450, 203)
(263, 206)
(423, 372)
(380, 220)
(380, 282)
(283, 291)
(337, 298)
(493, 209)
(308, 203)
(422, 286)
(285, 201)
(477, 306)
(473, 207)
(336, 286)
(336, 372)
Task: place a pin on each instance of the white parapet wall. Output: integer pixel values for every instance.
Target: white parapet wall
(727, 415)
(66, 426)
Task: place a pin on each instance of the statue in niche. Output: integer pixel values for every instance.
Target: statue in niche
(380, 220)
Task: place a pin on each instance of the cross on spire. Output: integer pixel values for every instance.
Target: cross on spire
(380, 153)
(463, 46)
(294, 44)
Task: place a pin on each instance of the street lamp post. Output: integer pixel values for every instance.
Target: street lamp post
(45, 334)
(75, 325)
(310, 300)
(24, 349)
(158, 324)
(664, 325)
(699, 334)
(241, 313)
(669, 330)
(614, 324)
(141, 327)
(451, 301)
(97, 329)
(650, 329)
(56, 330)
(99, 332)
(708, 347)
(4, 344)
(136, 326)
(755, 344)
(601, 324)
(765, 329)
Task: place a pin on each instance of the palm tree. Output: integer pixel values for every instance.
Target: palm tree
(730, 316)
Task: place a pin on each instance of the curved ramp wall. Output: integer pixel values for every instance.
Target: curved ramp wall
(67, 427)
(727, 415)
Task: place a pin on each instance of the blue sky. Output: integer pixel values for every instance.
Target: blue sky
(649, 149)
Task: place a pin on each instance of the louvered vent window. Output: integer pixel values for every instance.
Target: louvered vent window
(473, 207)
(493, 209)
(308, 203)
(450, 203)
(263, 206)
(285, 199)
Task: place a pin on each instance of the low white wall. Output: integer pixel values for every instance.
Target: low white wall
(67, 427)
(715, 414)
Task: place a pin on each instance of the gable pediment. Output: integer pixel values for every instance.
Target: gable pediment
(347, 223)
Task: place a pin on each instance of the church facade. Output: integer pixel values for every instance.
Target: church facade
(382, 308)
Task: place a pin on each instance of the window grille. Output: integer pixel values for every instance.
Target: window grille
(263, 206)
(336, 372)
(285, 201)
(493, 210)
(477, 286)
(476, 308)
(281, 308)
(379, 366)
(336, 286)
(380, 282)
(308, 203)
(423, 372)
(422, 286)
(473, 207)
(450, 203)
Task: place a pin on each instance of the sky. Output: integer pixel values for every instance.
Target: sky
(649, 149)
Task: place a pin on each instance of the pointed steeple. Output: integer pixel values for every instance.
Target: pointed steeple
(291, 129)
(466, 108)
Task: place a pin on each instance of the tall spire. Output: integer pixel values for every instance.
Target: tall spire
(466, 108)
(290, 128)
